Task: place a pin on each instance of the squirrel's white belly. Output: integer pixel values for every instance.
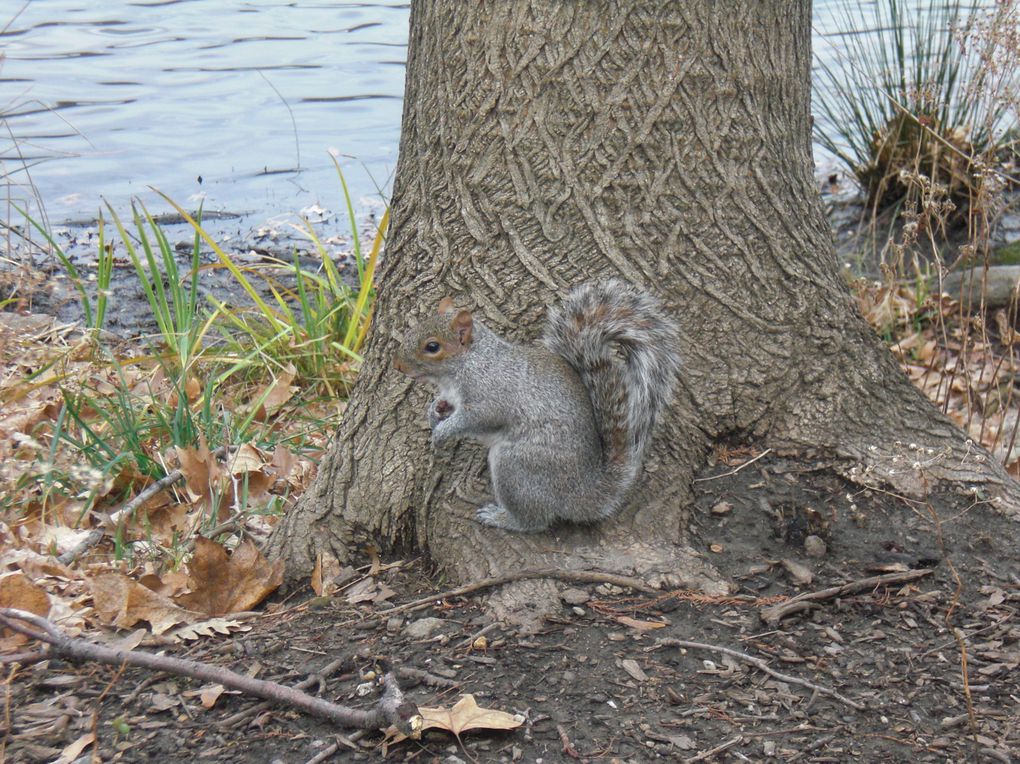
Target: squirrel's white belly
(494, 448)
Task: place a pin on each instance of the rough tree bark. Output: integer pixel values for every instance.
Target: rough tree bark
(546, 143)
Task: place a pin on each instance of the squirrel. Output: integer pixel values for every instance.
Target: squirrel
(566, 421)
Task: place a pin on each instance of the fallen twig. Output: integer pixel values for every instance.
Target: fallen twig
(574, 576)
(480, 633)
(327, 753)
(391, 709)
(735, 470)
(417, 675)
(704, 755)
(761, 665)
(23, 659)
(775, 613)
(96, 535)
(568, 747)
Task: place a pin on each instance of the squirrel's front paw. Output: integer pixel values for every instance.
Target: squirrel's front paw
(439, 410)
(441, 413)
(496, 516)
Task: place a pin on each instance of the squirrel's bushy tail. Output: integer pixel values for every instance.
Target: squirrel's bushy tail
(624, 346)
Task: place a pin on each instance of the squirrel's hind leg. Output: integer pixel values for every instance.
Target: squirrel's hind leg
(496, 516)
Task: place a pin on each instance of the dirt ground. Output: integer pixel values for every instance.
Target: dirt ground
(591, 686)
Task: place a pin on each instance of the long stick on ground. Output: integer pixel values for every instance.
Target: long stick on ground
(761, 665)
(392, 707)
(311, 681)
(775, 613)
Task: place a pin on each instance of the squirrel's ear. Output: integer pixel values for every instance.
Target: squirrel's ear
(462, 324)
(446, 305)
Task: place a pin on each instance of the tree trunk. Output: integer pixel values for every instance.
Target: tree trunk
(546, 143)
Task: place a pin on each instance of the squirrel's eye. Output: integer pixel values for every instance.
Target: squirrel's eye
(432, 347)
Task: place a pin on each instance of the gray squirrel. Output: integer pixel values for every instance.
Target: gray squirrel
(566, 421)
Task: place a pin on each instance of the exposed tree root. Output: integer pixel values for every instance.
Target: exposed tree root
(574, 576)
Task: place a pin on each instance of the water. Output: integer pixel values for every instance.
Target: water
(239, 104)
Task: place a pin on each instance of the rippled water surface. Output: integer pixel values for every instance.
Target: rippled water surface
(107, 98)
(238, 103)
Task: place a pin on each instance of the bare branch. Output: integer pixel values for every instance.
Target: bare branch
(392, 708)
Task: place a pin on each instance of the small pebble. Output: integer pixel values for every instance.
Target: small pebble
(423, 627)
(815, 547)
(574, 596)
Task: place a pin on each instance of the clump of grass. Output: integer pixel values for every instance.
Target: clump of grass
(310, 320)
(905, 96)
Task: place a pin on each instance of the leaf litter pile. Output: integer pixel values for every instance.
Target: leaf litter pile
(66, 536)
(966, 364)
(155, 549)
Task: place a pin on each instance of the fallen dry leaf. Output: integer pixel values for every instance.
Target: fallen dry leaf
(369, 590)
(58, 539)
(165, 520)
(247, 458)
(210, 627)
(281, 391)
(36, 565)
(634, 670)
(18, 591)
(202, 473)
(283, 461)
(123, 602)
(639, 625)
(252, 468)
(162, 702)
(209, 695)
(170, 584)
(129, 642)
(192, 389)
(316, 578)
(465, 715)
(799, 574)
(222, 584)
(324, 575)
(73, 751)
